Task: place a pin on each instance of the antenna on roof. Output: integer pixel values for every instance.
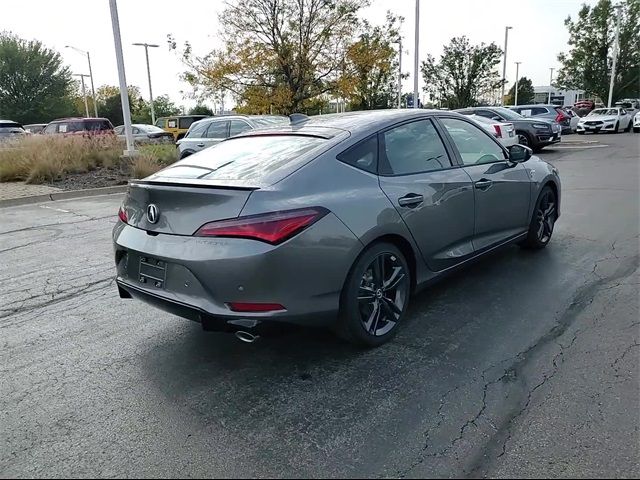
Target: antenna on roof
(298, 118)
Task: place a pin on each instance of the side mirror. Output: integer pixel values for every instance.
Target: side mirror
(519, 153)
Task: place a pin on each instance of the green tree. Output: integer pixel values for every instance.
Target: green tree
(201, 110)
(588, 63)
(162, 107)
(110, 103)
(35, 86)
(464, 73)
(278, 54)
(526, 94)
(369, 79)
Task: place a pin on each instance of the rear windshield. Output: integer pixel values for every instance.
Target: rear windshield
(243, 158)
(84, 125)
(508, 114)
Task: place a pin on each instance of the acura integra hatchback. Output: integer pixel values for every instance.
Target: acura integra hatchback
(335, 220)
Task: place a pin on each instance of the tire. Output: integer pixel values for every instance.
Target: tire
(524, 139)
(636, 129)
(580, 133)
(628, 129)
(617, 128)
(185, 154)
(370, 314)
(543, 220)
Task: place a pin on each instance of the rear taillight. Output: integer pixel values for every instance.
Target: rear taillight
(254, 307)
(272, 228)
(561, 116)
(498, 131)
(122, 215)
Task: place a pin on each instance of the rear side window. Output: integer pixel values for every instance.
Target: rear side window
(364, 155)
(51, 128)
(172, 123)
(413, 147)
(217, 130)
(474, 145)
(96, 125)
(186, 122)
(237, 127)
(197, 130)
(244, 158)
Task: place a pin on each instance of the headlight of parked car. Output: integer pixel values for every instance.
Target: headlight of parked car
(541, 126)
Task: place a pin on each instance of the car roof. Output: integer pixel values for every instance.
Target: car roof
(77, 119)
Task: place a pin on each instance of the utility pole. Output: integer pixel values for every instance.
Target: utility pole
(515, 102)
(415, 56)
(84, 93)
(146, 53)
(550, 82)
(504, 62)
(124, 94)
(399, 42)
(615, 54)
(93, 90)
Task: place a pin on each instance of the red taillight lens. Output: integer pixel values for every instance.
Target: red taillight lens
(561, 116)
(122, 215)
(272, 228)
(254, 307)
(498, 131)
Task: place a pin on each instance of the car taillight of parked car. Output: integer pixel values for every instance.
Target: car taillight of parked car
(498, 131)
(562, 117)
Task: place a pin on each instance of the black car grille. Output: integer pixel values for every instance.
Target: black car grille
(593, 123)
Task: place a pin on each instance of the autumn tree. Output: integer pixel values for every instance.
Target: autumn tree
(588, 63)
(463, 74)
(369, 79)
(526, 94)
(277, 55)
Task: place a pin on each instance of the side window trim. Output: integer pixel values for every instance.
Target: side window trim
(382, 156)
(455, 149)
(358, 145)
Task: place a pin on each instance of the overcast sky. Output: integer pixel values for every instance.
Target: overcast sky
(538, 33)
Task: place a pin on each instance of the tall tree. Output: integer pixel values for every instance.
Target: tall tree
(526, 93)
(588, 63)
(162, 107)
(35, 86)
(369, 79)
(276, 54)
(464, 73)
(201, 110)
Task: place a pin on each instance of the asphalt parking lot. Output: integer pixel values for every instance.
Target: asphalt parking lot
(525, 364)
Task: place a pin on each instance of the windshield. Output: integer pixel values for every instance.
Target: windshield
(508, 114)
(243, 158)
(604, 111)
(150, 128)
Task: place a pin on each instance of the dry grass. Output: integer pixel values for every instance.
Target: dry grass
(40, 159)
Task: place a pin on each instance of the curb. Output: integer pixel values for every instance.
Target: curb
(52, 197)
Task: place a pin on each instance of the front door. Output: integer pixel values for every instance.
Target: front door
(502, 189)
(433, 196)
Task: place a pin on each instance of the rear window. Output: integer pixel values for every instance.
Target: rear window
(243, 158)
(264, 122)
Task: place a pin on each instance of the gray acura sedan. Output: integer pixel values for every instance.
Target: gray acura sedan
(335, 220)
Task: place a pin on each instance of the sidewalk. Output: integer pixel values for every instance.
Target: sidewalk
(11, 190)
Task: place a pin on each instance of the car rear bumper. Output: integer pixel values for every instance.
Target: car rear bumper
(199, 277)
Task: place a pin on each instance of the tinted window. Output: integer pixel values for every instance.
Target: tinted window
(185, 122)
(488, 114)
(238, 126)
(474, 145)
(246, 158)
(197, 130)
(413, 148)
(364, 155)
(217, 130)
(506, 113)
(52, 128)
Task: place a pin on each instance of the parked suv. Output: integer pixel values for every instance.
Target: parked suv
(79, 126)
(548, 112)
(535, 133)
(11, 130)
(210, 131)
(178, 125)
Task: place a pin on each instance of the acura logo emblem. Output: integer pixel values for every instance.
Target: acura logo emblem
(152, 213)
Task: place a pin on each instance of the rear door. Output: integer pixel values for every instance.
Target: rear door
(431, 193)
(502, 190)
(217, 131)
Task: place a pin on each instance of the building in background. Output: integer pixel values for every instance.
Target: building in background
(558, 97)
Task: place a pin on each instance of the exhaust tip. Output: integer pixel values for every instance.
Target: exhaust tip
(246, 337)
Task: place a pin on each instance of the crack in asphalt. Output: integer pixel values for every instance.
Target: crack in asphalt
(56, 224)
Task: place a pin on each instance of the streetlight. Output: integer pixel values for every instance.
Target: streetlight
(84, 93)
(146, 52)
(93, 91)
(550, 82)
(515, 102)
(615, 54)
(124, 95)
(415, 57)
(504, 62)
(399, 42)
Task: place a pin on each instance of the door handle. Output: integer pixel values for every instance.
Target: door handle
(483, 184)
(200, 145)
(411, 200)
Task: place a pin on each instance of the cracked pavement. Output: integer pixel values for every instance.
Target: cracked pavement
(526, 364)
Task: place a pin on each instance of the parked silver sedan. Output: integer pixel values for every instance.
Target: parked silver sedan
(335, 220)
(143, 133)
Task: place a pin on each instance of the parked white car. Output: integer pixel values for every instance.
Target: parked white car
(636, 123)
(504, 132)
(605, 120)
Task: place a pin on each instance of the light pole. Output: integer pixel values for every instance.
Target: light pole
(93, 90)
(415, 57)
(84, 92)
(515, 101)
(615, 55)
(550, 82)
(124, 95)
(399, 42)
(504, 62)
(146, 52)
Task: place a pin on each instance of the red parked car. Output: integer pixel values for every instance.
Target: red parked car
(79, 126)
